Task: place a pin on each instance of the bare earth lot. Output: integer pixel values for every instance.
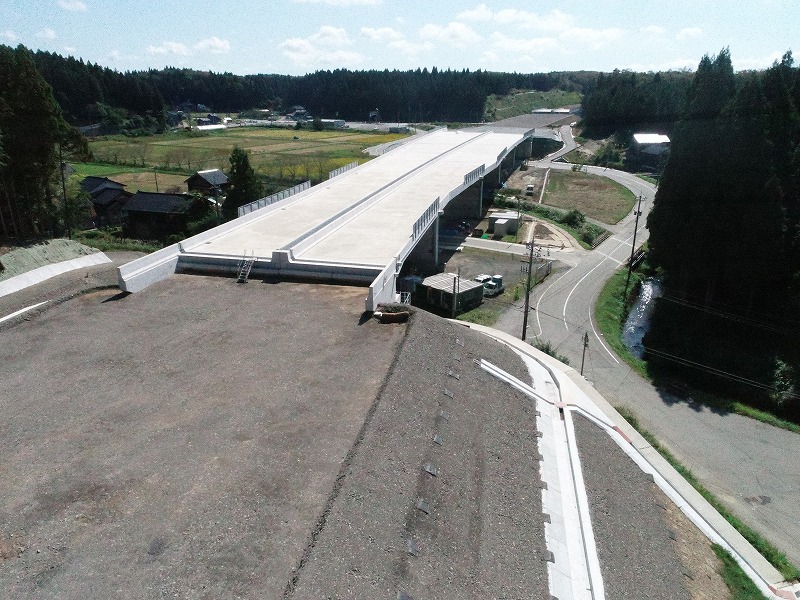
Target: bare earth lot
(148, 451)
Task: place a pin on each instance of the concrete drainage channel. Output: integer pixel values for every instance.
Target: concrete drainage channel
(574, 572)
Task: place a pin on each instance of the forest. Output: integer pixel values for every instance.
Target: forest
(89, 93)
(725, 234)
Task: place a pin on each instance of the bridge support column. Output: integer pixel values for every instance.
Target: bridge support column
(436, 241)
(480, 201)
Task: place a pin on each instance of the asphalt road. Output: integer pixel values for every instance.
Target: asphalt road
(747, 464)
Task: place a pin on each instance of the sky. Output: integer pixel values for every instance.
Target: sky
(302, 36)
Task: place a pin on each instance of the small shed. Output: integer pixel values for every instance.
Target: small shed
(437, 291)
(506, 221)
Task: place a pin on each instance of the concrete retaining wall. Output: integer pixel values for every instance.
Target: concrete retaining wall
(43, 273)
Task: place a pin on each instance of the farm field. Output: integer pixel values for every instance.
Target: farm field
(596, 197)
(136, 178)
(280, 153)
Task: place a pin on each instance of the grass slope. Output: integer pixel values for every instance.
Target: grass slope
(520, 102)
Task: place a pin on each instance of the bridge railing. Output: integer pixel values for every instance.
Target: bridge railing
(474, 175)
(421, 225)
(261, 203)
(343, 169)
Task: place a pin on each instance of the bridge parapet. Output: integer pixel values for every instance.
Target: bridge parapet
(382, 289)
(253, 206)
(474, 175)
(343, 169)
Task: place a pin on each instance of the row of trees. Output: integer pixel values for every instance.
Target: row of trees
(725, 226)
(623, 101)
(89, 93)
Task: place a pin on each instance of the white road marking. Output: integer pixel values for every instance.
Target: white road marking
(23, 310)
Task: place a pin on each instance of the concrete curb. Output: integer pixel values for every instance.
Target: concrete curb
(34, 276)
(579, 394)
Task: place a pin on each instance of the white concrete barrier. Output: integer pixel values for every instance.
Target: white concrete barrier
(34, 276)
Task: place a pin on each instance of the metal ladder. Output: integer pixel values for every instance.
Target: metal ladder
(245, 266)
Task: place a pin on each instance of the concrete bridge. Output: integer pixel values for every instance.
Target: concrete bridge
(360, 225)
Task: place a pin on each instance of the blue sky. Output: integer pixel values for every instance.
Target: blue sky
(301, 36)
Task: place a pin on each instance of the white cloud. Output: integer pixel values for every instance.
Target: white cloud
(331, 36)
(174, 48)
(382, 34)
(395, 40)
(47, 34)
(678, 64)
(327, 47)
(655, 30)
(526, 46)
(341, 2)
(594, 38)
(8, 35)
(689, 32)
(479, 13)
(72, 5)
(762, 62)
(214, 45)
(456, 34)
(553, 21)
(70, 49)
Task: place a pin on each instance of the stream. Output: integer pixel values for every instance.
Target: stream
(638, 321)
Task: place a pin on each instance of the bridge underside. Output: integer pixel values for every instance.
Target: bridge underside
(355, 228)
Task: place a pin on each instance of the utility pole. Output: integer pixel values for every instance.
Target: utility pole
(64, 192)
(585, 345)
(455, 279)
(633, 247)
(528, 292)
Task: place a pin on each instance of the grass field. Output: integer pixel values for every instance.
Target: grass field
(275, 152)
(596, 197)
(522, 102)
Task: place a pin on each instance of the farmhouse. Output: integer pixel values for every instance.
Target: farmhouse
(209, 182)
(648, 148)
(108, 198)
(151, 215)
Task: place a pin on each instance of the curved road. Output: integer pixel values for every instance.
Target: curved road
(750, 466)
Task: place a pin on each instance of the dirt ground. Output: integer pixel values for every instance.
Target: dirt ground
(519, 180)
(180, 442)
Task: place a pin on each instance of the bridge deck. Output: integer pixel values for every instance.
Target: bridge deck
(376, 235)
(386, 196)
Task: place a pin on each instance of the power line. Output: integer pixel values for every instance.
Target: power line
(712, 370)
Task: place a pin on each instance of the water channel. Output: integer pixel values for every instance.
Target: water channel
(638, 321)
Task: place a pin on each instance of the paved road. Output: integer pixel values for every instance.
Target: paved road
(747, 464)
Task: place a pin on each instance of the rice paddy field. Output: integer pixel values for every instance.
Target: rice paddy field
(280, 153)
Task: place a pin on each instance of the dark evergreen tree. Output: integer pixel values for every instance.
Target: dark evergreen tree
(31, 123)
(245, 185)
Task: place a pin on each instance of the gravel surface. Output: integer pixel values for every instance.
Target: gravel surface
(181, 442)
(483, 533)
(634, 544)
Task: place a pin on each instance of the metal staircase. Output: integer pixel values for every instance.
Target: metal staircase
(245, 265)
